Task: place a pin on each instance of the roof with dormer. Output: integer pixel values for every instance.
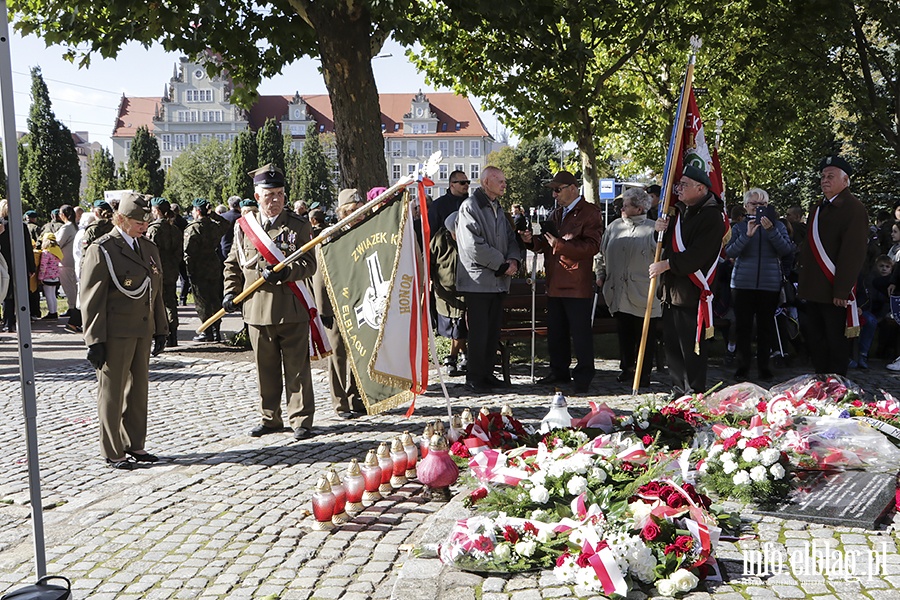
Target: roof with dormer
(449, 109)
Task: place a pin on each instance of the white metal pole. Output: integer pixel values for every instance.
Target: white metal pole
(20, 284)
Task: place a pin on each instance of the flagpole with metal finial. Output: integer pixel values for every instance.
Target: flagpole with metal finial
(668, 179)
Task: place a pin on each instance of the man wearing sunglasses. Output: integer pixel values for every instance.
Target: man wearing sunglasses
(569, 244)
(450, 202)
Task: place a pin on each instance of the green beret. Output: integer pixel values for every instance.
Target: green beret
(55, 211)
(30, 213)
(836, 161)
(161, 203)
(249, 202)
(200, 203)
(698, 175)
(100, 203)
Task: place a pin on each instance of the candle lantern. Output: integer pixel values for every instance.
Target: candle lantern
(467, 418)
(437, 471)
(323, 505)
(456, 429)
(355, 485)
(340, 498)
(398, 455)
(506, 411)
(412, 455)
(558, 417)
(371, 473)
(426, 439)
(439, 429)
(387, 468)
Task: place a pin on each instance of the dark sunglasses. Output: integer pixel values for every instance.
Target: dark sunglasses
(462, 182)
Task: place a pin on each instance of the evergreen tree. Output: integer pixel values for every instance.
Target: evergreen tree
(314, 177)
(200, 172)
(291, 167)
(270, 144)
(243, 160)
(101, 176)
(145, 174)
(51, 167)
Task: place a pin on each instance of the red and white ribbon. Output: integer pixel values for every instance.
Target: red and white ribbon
(603, 561)
(828, 269)
(490, 465)
(704, 281)
(318, 341)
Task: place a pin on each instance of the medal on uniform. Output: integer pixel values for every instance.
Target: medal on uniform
(127, 283)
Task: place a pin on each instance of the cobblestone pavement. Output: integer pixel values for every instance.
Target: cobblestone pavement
(227, 516)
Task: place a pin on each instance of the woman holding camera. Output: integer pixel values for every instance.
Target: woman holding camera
(757, 244)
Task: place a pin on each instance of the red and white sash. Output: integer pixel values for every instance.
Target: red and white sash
(828, 269)
(318, 341)
(704, 281)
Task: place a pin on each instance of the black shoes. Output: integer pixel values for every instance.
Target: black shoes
(625, 377)
(74, 328)
(202, 337)
(145, 457)
(349, 414)
(123, 464)
(302, 433)
(496, 382)
(553, 379)
(477, 387)
(261, 430)
(50, 317)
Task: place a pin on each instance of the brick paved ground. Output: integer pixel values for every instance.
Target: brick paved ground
(226, 515)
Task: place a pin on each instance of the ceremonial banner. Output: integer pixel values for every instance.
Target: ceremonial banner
(360, 271)
(401, 352)
(694, 149)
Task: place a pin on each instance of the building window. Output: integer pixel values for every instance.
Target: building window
(442, 171)
(211, 116)
(206, 137)
(127, 147)
(420, 128)
(444, 148)
(395, 148)
(179, 141)
(475, 148)
(222, 137)
(193, 139)
(166, 162)
(459, 148)
(198, 96)
(166, 142)
(459, 167)
(474, 171)
(396, 171)
(299, 146)
(411, 149)
(427, 148)
(411, 169)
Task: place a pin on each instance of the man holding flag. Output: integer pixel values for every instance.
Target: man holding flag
(281, 314)
(691, 246)
(830, 263)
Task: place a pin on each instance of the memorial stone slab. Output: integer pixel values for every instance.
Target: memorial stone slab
(848, 498)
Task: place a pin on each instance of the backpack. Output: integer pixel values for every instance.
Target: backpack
(42, 590)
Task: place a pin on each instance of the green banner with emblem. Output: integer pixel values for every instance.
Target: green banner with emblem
(357, 267)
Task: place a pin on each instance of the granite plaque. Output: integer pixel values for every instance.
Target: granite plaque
(850, 498)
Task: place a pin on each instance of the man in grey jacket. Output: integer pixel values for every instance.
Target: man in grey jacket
(488, 256)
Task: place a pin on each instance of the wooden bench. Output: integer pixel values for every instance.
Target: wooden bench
(517, 317)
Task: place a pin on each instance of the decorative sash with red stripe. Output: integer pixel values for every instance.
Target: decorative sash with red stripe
(704, 281)
(318, 342)
(828, 269)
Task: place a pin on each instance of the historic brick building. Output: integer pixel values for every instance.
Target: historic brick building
(195, 107)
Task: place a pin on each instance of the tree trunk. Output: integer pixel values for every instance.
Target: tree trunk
(591, 190)
(346, 52)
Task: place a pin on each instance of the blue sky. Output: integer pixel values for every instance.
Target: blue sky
(87, 99)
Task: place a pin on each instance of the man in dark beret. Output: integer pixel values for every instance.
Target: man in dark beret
(829, 265)
(124, 324)
(691, 246)
(204, 266)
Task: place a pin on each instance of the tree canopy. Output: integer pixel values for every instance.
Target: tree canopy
(101, 176)
(314, 176)
(144, 172)
(200, 172)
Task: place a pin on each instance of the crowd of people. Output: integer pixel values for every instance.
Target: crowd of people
(119, 265)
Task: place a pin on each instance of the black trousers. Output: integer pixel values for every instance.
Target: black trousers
(484, 314)
(569, 328)
(747, 305)
(823, 326)
(688, 370)
(629, 329)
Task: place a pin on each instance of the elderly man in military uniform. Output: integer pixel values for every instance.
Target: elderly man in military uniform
(124, 324)
(201, 245)
(169, 241)
(275, 314)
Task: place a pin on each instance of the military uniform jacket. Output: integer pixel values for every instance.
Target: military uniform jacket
(270, 304)
(843, 229)
(702, 229)
(121, 292)
(201, 244)
(168, 240)
(93, 232)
